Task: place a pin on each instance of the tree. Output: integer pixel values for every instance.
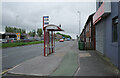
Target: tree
(65, 36)
(23, 31)
(30, 33)
(6, 29)
(34, 32)
(14, 30)
(77, 36)
(39, 32)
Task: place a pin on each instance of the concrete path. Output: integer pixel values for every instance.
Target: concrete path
(91, 64)
(41, 66)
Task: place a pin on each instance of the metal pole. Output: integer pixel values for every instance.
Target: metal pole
(16, 22)
(79, 20)
(52, 40)
(48, 40)
(44, 35)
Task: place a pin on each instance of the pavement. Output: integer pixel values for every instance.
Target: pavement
(44, 66)
(16, 55)
(91, 64)
(66, 61)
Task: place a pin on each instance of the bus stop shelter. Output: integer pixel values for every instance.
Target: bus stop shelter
(49, 38)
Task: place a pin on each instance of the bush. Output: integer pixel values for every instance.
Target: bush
(6, 45)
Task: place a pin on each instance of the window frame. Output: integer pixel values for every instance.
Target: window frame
(114, 29)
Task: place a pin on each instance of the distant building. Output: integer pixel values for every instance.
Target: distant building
(83, 36)
(11, 35)
(107, 24)
(42, 37)
(88, 33)
(58, 37)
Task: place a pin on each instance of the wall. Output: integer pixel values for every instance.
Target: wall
(104, 42)
(97, 5)
(111, 49)
(100, 36)
(119, 37)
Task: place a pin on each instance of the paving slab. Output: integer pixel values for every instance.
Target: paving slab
(93, 65)
(41, 66)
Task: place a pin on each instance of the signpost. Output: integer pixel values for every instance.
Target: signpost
(45, 22)
(18, 36)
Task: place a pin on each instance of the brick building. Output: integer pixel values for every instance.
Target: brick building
(88, 33)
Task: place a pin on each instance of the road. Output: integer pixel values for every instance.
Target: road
(16, 55)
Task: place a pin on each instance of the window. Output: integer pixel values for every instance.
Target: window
(90, 24)
(87, 28)
(114, 29)
(100, 3)
(87, 39)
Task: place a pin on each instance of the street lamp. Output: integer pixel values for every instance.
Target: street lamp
(16, 19)
(16, 22)
(79, 19)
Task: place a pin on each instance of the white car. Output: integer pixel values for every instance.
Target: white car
(3, 40)
(12, 40)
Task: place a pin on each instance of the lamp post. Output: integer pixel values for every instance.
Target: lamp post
(79, 20)
(16, 19)
(16, 22)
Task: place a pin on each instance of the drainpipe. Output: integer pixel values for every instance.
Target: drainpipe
(119, 36)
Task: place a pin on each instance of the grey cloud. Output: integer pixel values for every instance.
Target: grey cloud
(30, 14)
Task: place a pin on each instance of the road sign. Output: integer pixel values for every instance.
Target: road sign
(18, 36)
(46, 23)
(46, 16)
(46, 20)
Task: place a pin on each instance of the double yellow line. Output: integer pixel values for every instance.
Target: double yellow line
(4, 72)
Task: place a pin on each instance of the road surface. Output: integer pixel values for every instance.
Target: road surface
(16, 55)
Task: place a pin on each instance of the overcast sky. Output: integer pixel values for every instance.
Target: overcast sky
(29, 14)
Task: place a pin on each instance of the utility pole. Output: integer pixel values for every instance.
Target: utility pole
(16, 21)
(79, 20)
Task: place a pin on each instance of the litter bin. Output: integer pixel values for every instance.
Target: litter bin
(81, 45)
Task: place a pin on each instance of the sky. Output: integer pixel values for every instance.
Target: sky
(28, 15)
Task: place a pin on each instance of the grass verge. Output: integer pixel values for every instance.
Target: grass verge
(6, 45)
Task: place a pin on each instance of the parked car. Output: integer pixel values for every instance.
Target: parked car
(37, 39)
(12, 40)
(26, 40)
(3, 40)
(68, 39)
(31, 39)
(61, 40)
(73, 39)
